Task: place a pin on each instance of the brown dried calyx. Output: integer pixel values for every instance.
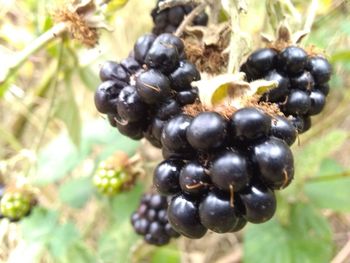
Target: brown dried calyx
(82, 20)
(205, 47)
(227, 93)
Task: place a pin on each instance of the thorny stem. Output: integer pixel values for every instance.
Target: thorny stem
(22, 56)
(188, 19)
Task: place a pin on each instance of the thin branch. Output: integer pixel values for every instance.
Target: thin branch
(188, 19)
(343, 254)
(53, 97)
(37, 44)
(172, 3)
(328, 177)
(311, 14)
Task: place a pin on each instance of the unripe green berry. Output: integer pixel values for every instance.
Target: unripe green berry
(15, 205)
(109, 181)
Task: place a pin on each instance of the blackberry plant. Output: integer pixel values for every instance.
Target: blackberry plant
(151, 220)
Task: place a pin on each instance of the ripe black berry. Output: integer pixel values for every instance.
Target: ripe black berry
(133, 130)
(142, 46)
(106, 96)
(249, 124)
(113, 71)
(130, 106)
(304, 81)
(298, 103)
(324, 88)
(130, 65)
(171, 40)
(262, 60)
(283, 129)
(194, 179)
(318, 101)
(166, 177)
(152, 86)
(259, 203)
(174, 133)
(168, 109)
(292, 60)
(182, 77)
(207, 131)
(184, 217)
(187, 96)
(281, 91)
(163, 56)
(320, 69)
(301, 123)
(229, 171)
(151, 221)
(275, 163)
(217, 213)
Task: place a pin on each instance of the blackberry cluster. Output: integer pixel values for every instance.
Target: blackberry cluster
(151, 220)
(222, 172)
(15, 205)
(167, 20)
(143, 91)
(302, 81)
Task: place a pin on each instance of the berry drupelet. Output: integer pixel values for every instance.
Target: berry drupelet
(151, 220)
(167, 20)
(302, 81)
(142, 92)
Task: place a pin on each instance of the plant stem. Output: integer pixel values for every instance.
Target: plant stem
(188, 19)
(236, 46)
(53, 97)
(32, 48)
(328, 177)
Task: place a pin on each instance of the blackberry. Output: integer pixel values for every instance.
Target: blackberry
(151, 221)
(301, 80)
(283, 129)
(169, 19)
(145, 90)
(152, 86)
(218, 214)
(207, 131)
(113, 71)
(194, 179)
(229, 171)
(166, 177)
(174, 134)
(15, 205)
(183, 215)
(259, 203)
(249, 124)
(275, 163)
(130, 107)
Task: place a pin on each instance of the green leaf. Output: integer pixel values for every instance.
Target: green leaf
(172, 255)
(68, 111)
(60, 157)
(39, 226)
(329, 167)
(117, 240)
(309, 159)
(89, 78)
(79, 253)
(76, 192)
(114, 5)
(64, 237)
(307, 238)
(343, 55)
(332, 193)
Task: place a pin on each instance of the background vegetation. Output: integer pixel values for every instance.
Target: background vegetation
(52, 138)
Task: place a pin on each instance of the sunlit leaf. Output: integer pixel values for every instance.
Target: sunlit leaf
(307, 238)
(76, 192)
